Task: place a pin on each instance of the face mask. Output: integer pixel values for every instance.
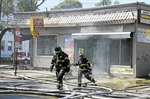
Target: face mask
(56, 52)
(81, 57)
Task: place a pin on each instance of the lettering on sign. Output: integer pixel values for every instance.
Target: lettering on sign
(38, 24)
(144, 16)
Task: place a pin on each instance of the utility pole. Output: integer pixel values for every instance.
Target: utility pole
(17, 46)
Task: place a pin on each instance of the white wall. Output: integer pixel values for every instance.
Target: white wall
(8, 36)
(25, 45)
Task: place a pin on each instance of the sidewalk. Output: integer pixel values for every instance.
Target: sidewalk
(112, 82)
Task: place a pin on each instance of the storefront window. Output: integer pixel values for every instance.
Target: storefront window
(46, 45)
(106, 52)
(115, 52)
(125, 52)
(120, 52)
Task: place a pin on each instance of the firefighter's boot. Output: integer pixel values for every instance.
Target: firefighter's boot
(59, 86)
(79, 85)
(94, 82)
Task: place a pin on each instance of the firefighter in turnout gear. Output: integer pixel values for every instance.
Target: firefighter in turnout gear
(84, 69)
(62, 65)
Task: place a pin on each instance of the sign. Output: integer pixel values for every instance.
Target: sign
(17, 37)
(80, 51)
(122, 70)
(69, 47)
(36, 24)
(144, 16)
(143, 35)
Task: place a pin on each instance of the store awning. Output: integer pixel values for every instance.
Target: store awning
(111, 35)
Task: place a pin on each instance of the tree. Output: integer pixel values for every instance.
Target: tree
(0, 14)
(103, 3)
(68, 4)
(29, 5)
(116, 2)
(7, 7)
(0, 7)
(6, 10)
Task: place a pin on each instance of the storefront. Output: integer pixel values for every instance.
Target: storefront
(105, 50)
(114, 38)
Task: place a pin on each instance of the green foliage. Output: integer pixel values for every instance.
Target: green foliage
(103, 3)
(1, 27)
(29, 5)
(0, 6)
(7, 7)
(116, 2)
(68, 4)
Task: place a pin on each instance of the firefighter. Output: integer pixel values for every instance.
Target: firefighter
(62, 65)
(84, 69)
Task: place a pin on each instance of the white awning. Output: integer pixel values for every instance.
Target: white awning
(112, 35)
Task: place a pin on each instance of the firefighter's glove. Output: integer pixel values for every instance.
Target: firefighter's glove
(75, 64)
(90, 69)
(68, 69)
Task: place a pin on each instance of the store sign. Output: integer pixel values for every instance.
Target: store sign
(143, 35)
(121, 70)
(36, 24)
(144, 16)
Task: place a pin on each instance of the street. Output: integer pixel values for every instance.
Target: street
(33, 84)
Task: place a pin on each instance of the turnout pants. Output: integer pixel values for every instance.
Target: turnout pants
(87, 75)
(59, 75)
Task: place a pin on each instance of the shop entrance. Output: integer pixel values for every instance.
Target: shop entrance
(104, 52)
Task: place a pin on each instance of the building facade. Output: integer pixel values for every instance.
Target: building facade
(7, 45)
(114, 38)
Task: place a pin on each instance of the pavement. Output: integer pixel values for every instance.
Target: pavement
(29, 80)
(116, 82)
(107, 81)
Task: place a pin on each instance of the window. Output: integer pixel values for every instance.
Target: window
(2, 45)
(46, 45)
(121, 50)
(21, 53)
(9, 45)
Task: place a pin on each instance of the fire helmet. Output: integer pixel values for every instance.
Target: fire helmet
(81, 55)
(58, 49)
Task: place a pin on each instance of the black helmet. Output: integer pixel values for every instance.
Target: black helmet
(58, 49)
(81, 55)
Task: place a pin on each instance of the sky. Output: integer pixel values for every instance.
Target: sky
(86, 3)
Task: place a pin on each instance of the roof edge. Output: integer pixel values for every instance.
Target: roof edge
(134, 4)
